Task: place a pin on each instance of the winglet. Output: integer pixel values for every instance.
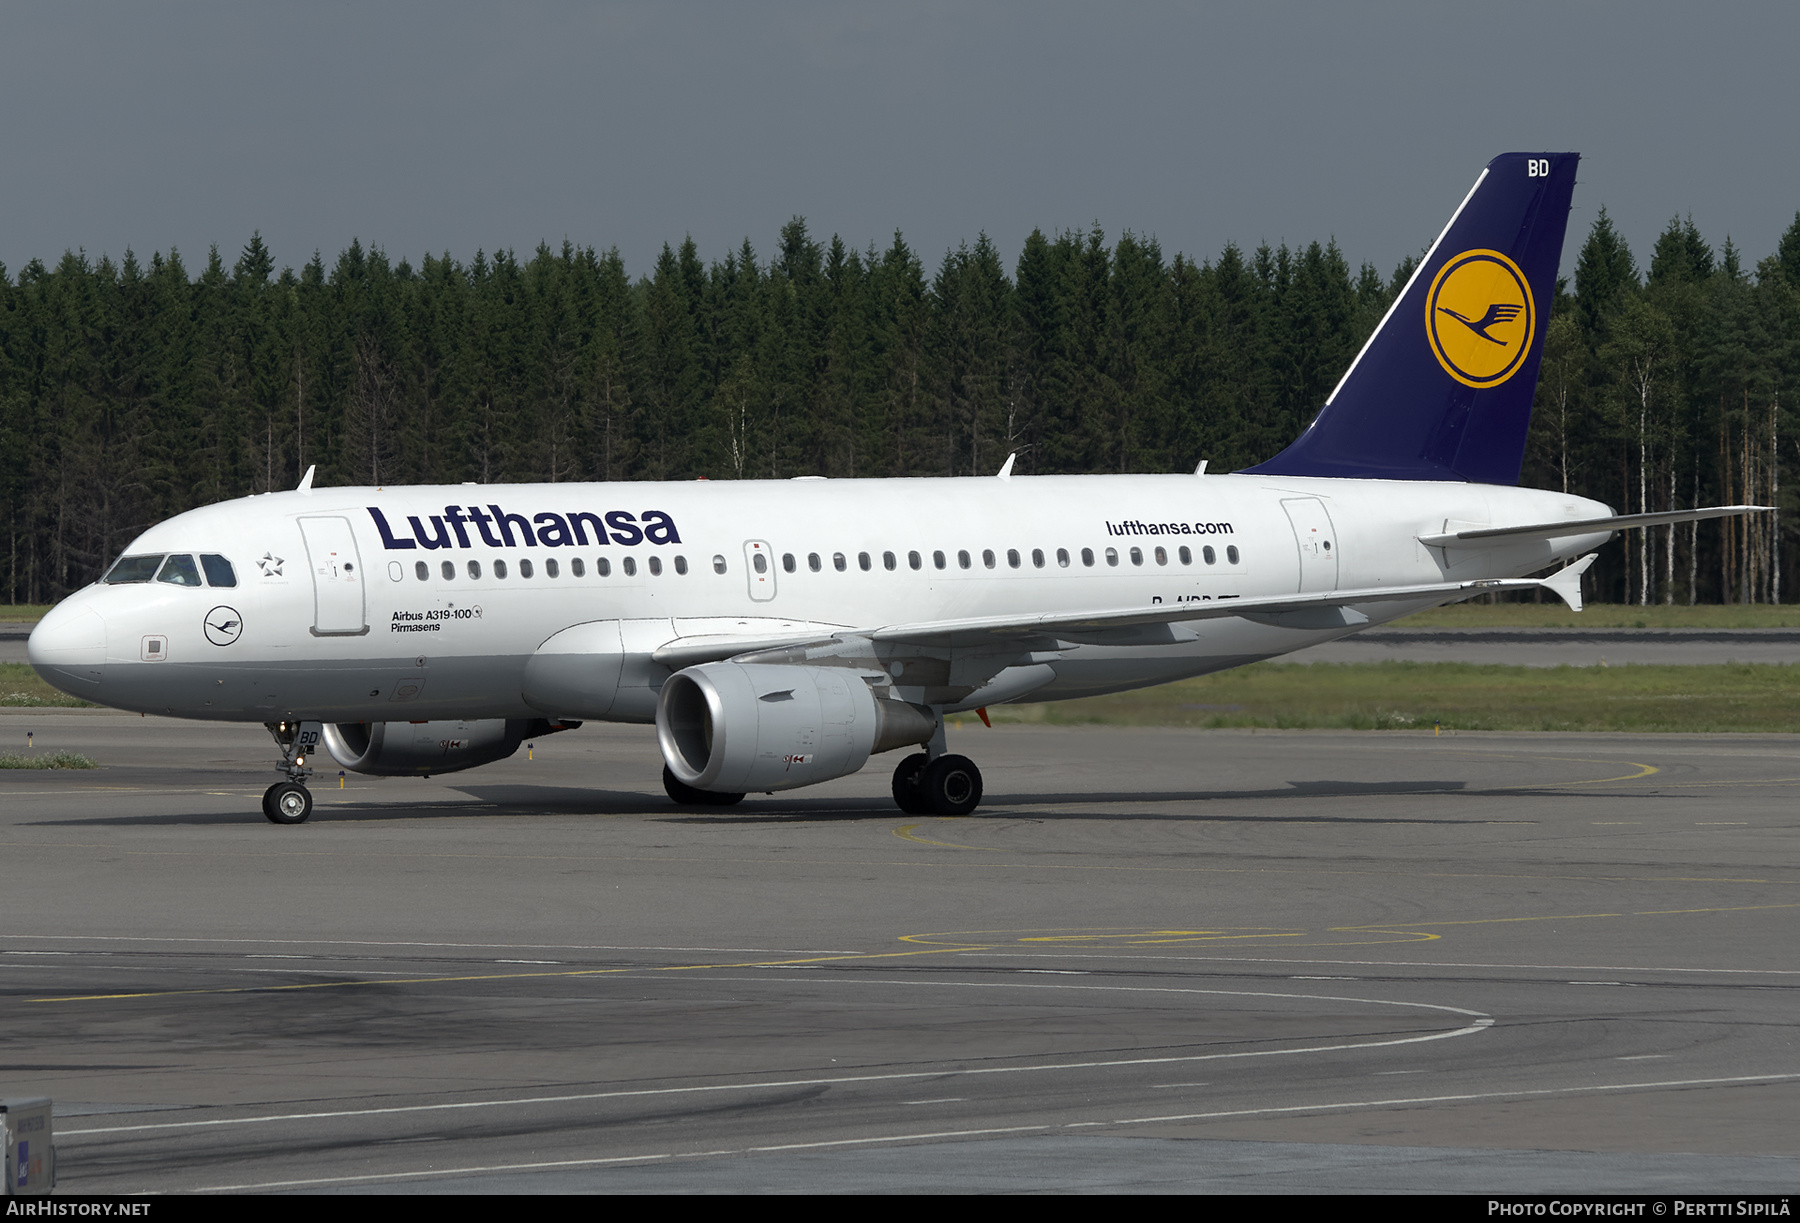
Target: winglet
(1566, 583)
(1005, 472)
(305, 485)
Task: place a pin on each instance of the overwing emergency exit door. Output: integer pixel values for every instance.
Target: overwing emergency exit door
(337, 577)
(1317, 543)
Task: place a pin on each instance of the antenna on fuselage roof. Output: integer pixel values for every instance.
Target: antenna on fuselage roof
(1005, 472)
(305, 485)
(1201, 470)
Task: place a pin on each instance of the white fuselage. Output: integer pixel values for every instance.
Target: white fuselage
(336, 622)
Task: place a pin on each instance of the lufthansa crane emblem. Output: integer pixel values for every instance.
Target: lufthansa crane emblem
(1479, 318)
(223, 625)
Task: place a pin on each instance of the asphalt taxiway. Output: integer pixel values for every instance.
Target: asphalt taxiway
(1153, 960)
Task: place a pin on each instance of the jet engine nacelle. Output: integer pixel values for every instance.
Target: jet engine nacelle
(737, 727)
(419, 749)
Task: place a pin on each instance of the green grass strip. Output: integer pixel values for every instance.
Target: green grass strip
(48, 760)
(1456, 696)
(21, 687)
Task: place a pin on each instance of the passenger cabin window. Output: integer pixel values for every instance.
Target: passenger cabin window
(218, 570)
(718, 564)
(838, 562)
(1037, 558)
(474, 570)
(680, 566)
(1208, 555)
(915, 560)
(603, 567)
(422, 570)
(1062, 557)
(939, 561)
(1137, 556)
(180, 571)
(1112, 556)
(656, 566)
(962, 559)
(577, 568)
(813, 562)
(787, 562)
(1186, 554)
(550, 568)
(525, 568)
(889, 562)
(500, 569)
(1012, 557)
(863, 562)
(1087, 556)
(629, 565)
(987, 557)
(1231, 553)
(134, 569)
(449, 571)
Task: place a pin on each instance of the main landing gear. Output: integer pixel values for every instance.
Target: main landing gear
(949, 785)
(290, 802)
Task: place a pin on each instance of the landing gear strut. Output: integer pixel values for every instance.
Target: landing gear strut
(290, 802)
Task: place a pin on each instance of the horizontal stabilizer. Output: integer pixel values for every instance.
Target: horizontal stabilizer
(1566, 584)
(1487, 537)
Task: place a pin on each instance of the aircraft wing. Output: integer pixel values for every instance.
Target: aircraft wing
(1122, 626)
(1157, 624)
(1487, 537)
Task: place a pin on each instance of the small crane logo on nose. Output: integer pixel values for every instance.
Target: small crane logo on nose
(223, 625)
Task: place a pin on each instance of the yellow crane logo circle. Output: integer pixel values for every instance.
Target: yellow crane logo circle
(1479, 318)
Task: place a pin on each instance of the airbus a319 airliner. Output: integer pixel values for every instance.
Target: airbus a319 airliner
(778, 634)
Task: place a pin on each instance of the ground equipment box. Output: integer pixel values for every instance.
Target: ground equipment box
(30, 1148)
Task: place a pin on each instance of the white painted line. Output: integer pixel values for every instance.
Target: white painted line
(1519, 1094)
(1478, 1025)
(941, 1135)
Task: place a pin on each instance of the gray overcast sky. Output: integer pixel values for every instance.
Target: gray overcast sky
(449, 127)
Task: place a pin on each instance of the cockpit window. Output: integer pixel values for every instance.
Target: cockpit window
(218, 570)
(179, 570)
(134, 569)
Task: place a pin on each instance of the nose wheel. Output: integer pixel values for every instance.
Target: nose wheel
(949, 785)
(287, 802)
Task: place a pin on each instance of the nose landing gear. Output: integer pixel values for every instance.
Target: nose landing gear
(290, 802)
(287, 802)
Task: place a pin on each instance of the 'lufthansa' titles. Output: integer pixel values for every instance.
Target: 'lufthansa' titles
(495, 528)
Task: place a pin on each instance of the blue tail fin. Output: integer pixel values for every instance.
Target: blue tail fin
(1443, 389)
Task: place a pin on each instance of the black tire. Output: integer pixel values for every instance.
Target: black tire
(907, 776)
(287, 802)
(951, 785)
(685, 795)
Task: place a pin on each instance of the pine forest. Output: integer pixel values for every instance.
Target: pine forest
(131, 391)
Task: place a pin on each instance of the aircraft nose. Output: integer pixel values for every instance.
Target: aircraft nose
(68, 647)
